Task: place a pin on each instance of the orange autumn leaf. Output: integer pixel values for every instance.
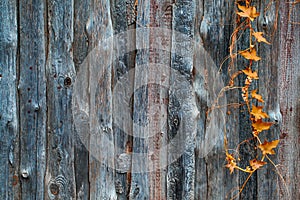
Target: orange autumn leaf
(231, 164)
(258, 113)
(260, 126)
(267, 147)
(250, 55)
(259, 37)
(249, 12)
(257, 96)
(250, 73)
(256, 164)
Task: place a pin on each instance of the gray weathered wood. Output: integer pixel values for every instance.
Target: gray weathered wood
(216, 21)
(60, 179)
(268, 72)
(146, 95)
(123, 17)
(9, 123)
(80, 51)
(32, 97)
(101, 162)
(182, 114)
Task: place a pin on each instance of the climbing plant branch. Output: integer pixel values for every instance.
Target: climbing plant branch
(247, 15)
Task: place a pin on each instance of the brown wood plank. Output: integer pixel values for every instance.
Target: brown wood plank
(289, 95)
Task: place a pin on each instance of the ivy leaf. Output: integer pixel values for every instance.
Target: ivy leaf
(260, 38)
(256, 164)
(249, 12)
(267, 147)
(257, 96)
(231, 164)
(258, 113)
(260, 126)
(250, 73)
(250, 55)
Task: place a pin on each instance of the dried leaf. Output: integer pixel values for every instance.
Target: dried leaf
(267, 147)
(249, 12)
(260, 38)
(250, 55)
(245, 93)
(256, 164)
(260, 126)
(250, 73)
(258, 113)
(257, 96)
(231, 164)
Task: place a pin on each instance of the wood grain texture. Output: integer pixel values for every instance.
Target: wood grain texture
(140, 179)
(268, 71)
(60, 72)
(123, 15)
(32, 97)
(289, 98)
(145, 95)
(80, 51)
(182, 117)
(9, 123)
(101, 162)
(215, 23)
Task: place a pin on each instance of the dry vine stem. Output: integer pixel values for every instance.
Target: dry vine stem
(247, 13)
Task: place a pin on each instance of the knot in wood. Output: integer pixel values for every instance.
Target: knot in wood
(54, 189)
(25, 173)
(67, 82)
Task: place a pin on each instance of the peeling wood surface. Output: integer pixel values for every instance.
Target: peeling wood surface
(108, 99)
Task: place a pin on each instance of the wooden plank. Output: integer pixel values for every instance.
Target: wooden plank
(101, 162)
(289, 98)
(80, 52)
(182, 115)
(32, 91)
(140, 177)
(9, 133)
(158, 95)
(215, 23)
(60, 72)
(267, 184)
(123, 18)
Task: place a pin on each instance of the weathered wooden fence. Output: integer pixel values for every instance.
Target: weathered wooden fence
(71, 126)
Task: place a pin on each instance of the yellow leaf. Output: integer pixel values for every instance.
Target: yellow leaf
(256, 164)
(250, 73)
(250, 55)
(260, 126)
(257, 96)
(258, 113)
(231, 164)
(267, 147)
(259, 37)
(249, 12)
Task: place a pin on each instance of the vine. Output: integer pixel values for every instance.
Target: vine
(258, 118)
